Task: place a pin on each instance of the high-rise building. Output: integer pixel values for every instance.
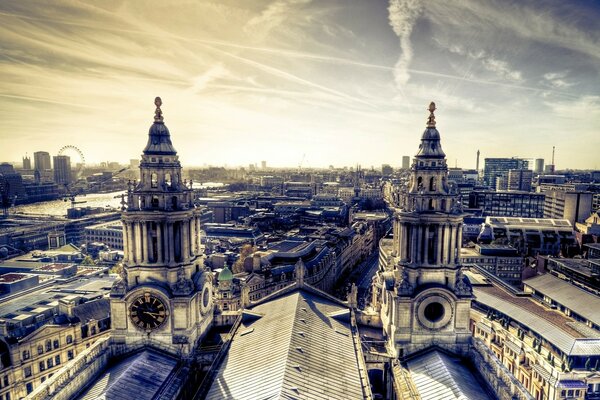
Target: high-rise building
(26, 162)
(420, 288)
(539, 165)
(405, 162)
(62, 170)
(263, 165)
(477, 163)
(495, 167)
(507, 204)
(41, 161)
(519, 179)
(164, 296)
(575, 206)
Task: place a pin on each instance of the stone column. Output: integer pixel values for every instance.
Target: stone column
(159, 242)
(145, 253)
(138, 242)
(171, 240)
(198, 238)
(452, 252)
(459, 240)
(185, 250)
(131, 244)
(125, 244)
(439, 245)
(192, 236)
(414, 231)
(426, 246)
(445, 258)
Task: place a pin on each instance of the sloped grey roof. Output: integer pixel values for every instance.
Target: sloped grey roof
(557, 335)
(295, 350)
(583, 303)
(138, 377)
(438, 376)
(95, 309)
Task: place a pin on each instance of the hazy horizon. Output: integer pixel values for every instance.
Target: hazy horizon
(330, 83)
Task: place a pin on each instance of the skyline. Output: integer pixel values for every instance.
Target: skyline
(288, 78)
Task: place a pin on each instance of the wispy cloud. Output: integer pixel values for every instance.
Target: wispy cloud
(403, 15)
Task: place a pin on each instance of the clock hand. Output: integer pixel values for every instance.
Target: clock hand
(151, 313)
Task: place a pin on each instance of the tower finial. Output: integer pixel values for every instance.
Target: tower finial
(431, 119)
(158, 113)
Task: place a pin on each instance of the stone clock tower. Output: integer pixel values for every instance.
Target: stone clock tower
(424, 298)
(164, 296)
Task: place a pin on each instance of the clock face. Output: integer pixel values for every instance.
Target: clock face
(148, 312)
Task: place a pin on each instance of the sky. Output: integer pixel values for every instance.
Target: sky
(318, 82)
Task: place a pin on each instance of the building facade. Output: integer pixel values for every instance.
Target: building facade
(495, 167)
(62, 170)
(41, 161)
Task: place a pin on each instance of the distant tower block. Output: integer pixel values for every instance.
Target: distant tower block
(477, 163)
(539, 165)
(405, 162)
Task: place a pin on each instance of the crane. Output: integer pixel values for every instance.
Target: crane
(71, 196)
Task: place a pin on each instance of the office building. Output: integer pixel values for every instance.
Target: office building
(495, 167)
(508, 204)
(573, 206)
(519, 180)
(539, 165)
(62, 170)
(41, 161)
(405, 162)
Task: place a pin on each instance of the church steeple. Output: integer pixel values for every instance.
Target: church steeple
(422, 275)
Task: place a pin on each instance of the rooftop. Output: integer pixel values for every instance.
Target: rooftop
(13, 277)
(552, 325)
(583, 303)
(138, 377)
(299, 345)
(437, 376)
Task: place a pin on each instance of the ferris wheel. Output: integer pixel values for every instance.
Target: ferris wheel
(77, 158)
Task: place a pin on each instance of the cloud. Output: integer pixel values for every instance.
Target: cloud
(215, 72)
(403, 15)
(557, 80)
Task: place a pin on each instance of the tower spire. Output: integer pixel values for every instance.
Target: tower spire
(158, 112)
(431, 119)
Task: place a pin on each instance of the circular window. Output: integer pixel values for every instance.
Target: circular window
(434, 312)
(205, 297)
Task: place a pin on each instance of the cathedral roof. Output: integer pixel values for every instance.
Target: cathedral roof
(159, 138)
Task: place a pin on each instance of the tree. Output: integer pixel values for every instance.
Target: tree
(88, 261)
(245, 251)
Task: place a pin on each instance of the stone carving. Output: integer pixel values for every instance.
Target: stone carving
(183, 286)
(463, 285)
(405, 288)
(119, 287)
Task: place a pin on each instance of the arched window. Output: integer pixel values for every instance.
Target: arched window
(419, 183)
(174, 202)
(432, 184)
(154, 180)
(56, 344)
(48, 345)
(25, 355)
(69, 339)
(40, 349)
(154, 201)
(168, 181)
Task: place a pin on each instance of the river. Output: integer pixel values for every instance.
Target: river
(60, 207)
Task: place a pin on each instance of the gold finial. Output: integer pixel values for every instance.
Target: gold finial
(158, 113)
(431, 119)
